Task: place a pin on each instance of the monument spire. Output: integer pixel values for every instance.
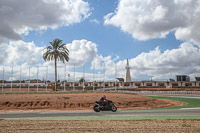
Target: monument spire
(128, 75)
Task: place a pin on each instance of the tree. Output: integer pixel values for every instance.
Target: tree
(64, 81)
(57, 51)
(82, 80)
(2, 81)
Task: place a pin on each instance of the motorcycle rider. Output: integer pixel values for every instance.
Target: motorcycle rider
(103, 101)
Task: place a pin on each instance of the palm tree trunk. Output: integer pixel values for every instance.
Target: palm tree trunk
(55, 74)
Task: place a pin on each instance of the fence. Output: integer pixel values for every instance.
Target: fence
(163, 92)
(43, 87)
(46, 73)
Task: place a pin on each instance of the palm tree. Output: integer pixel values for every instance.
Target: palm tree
(57, 51)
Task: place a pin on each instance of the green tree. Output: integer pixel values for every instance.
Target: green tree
(57, 51)
(82, 80)
(64, 81)
(2, 81)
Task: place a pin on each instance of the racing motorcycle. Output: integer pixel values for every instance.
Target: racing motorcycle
(108, 107)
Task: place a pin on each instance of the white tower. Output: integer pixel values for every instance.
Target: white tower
(128, 75)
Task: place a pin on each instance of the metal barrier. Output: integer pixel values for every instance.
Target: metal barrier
(164, 92)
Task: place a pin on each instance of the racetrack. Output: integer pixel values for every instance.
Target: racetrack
(162, 120)
(154, 112)
(168, 112)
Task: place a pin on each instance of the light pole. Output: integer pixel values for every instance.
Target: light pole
(115, 76)
(46, 78)
(83, 77)
(74, 79)
(68, 77)
(104, 75)
(65, 78)
(3, 79)
(11, 79)
(94, 77)
(37, 76)
(20, 83)
(29, 75)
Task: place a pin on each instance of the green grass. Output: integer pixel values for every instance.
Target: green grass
(191, 102)
(113, 118)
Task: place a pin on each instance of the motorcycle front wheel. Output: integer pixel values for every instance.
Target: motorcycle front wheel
(114, 109)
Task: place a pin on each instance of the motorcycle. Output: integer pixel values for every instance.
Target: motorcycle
(108, 107)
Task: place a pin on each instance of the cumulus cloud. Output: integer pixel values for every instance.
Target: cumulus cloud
(183, 60)
(104, 62)
(18, 52)
(94, 21)
(81, 51)
(156, 18)
(25, 54)
(161, 65)
(18, 17)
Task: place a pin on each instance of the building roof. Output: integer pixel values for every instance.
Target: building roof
(197, 78)
(121, 79)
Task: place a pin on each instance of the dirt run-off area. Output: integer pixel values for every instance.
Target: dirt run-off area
(77, 101)
(111, 126)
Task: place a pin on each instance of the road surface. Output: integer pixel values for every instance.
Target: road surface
(170, 112)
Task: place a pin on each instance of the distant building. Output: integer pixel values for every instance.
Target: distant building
(121, 79)
(171, 79)
(182, 78)
(197, 78)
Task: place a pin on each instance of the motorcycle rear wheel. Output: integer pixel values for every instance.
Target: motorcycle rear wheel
(96, 108)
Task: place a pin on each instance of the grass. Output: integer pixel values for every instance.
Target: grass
(191, 102)
(186, 125)
(112, 118)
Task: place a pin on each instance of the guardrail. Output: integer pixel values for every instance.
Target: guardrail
(163, 92)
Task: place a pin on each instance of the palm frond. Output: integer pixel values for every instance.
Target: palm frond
(56, 50)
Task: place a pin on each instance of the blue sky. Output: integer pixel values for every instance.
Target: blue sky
(159, 38)
(110, 40)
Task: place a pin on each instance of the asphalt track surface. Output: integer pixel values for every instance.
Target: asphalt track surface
(171, 112)
(154, 112)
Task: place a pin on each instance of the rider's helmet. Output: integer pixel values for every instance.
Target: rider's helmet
(104, 96)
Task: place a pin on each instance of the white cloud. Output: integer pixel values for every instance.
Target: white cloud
(19, 52)
(94, 21)
(25, 54)
(183, 60)
(81, 51)
(18, 17)
(156, 18)
(161, 65)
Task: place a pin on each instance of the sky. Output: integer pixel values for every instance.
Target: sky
(160, 38)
